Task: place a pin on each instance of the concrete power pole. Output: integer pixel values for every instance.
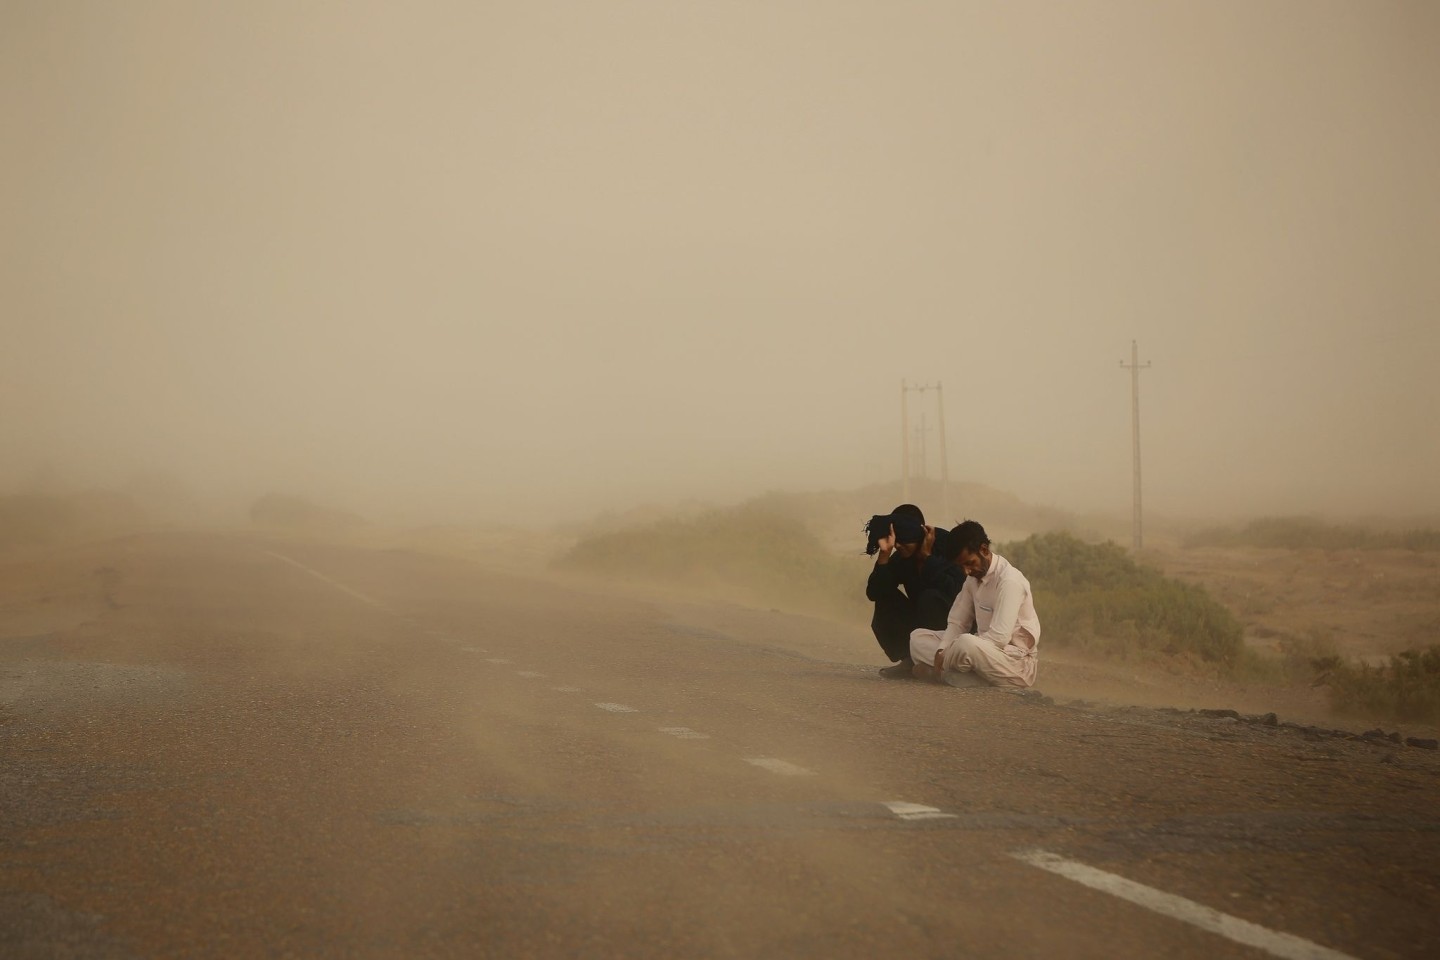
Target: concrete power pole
(904, 444)
(944, 460)
(905, 465)
(1135, 367)
(921, 453)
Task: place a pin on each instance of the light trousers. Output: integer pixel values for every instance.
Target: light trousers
(1008, 666)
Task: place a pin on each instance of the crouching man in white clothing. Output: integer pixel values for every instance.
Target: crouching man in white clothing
(992, 632)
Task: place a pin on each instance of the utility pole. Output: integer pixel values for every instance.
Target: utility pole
(904, 444)
(944, 460)
(1135, 367)
(905, 465)
(922, 456)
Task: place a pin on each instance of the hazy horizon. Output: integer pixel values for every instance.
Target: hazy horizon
(451, 260)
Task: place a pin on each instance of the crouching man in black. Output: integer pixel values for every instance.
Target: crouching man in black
(913, 585)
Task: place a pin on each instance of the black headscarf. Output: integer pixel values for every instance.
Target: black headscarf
(907, 530)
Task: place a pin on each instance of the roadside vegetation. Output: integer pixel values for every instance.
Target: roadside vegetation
(1310, 533)
(1092, 597)
(1096, 598)
(749, 552)
(1406, 687)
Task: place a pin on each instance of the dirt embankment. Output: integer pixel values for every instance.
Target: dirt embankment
(1367, 604)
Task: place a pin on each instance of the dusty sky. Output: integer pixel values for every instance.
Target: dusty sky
(534, 258)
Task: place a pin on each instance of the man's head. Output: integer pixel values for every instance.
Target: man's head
(909, 524)
(971, 548)
(911, 511)
(906, 522)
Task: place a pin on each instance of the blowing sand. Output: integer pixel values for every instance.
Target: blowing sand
(1364, 604)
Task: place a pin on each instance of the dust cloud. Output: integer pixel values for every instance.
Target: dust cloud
(534, 260)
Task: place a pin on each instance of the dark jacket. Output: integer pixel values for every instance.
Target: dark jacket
(943, 577)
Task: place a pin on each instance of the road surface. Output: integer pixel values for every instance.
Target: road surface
(258, 748)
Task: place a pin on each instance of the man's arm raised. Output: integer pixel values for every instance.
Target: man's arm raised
(883, 578)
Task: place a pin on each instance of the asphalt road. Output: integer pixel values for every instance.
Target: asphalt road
(264, 749)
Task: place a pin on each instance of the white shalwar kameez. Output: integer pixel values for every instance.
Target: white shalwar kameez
(1002, 650)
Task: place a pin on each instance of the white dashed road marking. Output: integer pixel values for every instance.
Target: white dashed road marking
(783, 767)
(916, 811)
(1196, 914)
(334, 583)
(1188, 911)
(685, 733)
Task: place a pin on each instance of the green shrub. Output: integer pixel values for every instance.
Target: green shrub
(1097, 598)
(1407, 687)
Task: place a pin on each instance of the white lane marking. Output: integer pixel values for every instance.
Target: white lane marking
(916, 811)
(783, 767)
(334, 583)
(685, 733)
(473, 650)
(1196, 914)
(528, 674)
(567, 689)
(616, 708)
(497, 660)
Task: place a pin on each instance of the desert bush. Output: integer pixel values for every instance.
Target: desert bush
(1419, 539)
(767, 556)
(1406, 687)
(1302, 533)
(1097, 598)
(1297, 659)
(1089, 596)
